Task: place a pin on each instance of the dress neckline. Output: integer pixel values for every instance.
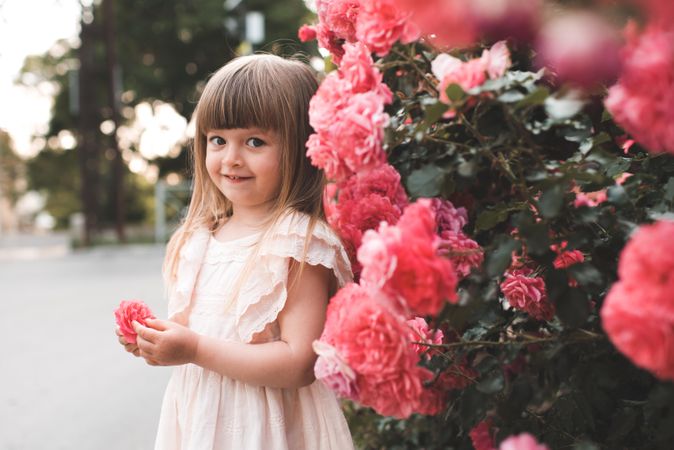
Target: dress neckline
(234, 241)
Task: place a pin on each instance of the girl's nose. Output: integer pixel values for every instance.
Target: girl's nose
(231, 156)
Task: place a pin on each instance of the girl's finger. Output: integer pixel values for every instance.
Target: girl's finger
(131, 347)
(157, 324)
(147, 334)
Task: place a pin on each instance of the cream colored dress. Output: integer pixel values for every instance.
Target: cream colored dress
(203, 410)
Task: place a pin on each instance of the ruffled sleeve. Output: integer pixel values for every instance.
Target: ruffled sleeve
(190, 259)
(264, 294)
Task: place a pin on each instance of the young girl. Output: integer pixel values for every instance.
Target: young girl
(249, 274)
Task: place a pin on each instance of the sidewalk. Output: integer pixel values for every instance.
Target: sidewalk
(15, 247)
(67, 383)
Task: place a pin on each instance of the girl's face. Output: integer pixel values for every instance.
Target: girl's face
(244, 164)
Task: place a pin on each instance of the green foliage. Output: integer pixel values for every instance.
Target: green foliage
(507, 154)
(11, 169)
(56, 174)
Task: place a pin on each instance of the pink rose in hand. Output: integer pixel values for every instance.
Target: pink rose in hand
(127, 312)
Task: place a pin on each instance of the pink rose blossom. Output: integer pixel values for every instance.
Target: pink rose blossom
(323, 155)
(356, 96)
(357, 215)
(376, 23)
(381, 23)
(332, 95)
(523, 441)
(358, 70)
(432, 402)
(639, 320)
(447, 23)
(339, 16)
(397, 395)
(659, 11)
(472, 73)
(641, 101)
(581, 48)
(506, 19)
(368, 334)
(448, 217)
(465, 253)
(328, 40)
(527, 292)
(383, 180)
(638, 312)
(566, 258)
(332, 370)
(306, 33)
(127, 312)
(590, 199)
(403, 261)
(451, 70)
(359, 133)
(648, 257)
(496, 60)
(482, 436)
(622, 178)
(422, 333)
(374, 341)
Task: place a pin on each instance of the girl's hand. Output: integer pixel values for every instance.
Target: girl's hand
(129, 347)
(166, 343)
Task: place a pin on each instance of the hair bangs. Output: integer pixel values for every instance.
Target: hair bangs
(242, 96)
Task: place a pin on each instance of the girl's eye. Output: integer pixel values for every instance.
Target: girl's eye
(217, 140)
(255, 142)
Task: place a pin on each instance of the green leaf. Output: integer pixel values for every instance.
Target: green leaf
(551, 201)
(535, 98)
(499, 260)
(492, 383)
(455, 93)
(586, 274)
(617, 195)
(426, 182)
(536, 237)
(669, 190)
(490, 218)
(573, 308)
(619, 166)
(434, 111)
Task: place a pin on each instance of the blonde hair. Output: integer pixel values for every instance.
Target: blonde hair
(267, 92)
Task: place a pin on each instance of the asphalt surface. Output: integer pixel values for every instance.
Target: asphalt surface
(65, 382)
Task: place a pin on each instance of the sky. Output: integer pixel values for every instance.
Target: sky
(29, 27)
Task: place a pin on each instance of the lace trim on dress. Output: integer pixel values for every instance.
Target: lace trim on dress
(264, 295)
(191, 255)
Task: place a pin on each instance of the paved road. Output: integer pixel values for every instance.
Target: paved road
(65, 382)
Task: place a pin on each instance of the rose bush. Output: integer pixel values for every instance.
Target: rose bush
(538, 167)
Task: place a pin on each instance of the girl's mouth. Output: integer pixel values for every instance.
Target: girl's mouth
(235, 179)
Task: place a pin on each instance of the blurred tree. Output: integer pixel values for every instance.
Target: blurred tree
(165, 52)
(55, 173)
(11, 169)
(11, 174)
